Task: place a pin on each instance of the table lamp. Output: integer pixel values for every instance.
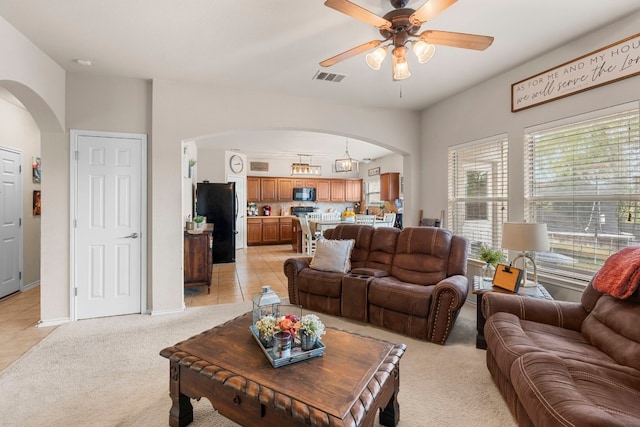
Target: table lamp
(525, 237)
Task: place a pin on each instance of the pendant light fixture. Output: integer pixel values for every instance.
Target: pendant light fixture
(301, 168)
(345, 163)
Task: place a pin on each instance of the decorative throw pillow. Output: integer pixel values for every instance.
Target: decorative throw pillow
(333, 255)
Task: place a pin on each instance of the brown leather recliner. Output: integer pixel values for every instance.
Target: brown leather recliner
(411, 281)
(560, 363)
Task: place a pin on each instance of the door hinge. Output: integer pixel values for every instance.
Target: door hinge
(20, 222)
(75, 292)
(20, 169)
(76, 155)
(20, 275)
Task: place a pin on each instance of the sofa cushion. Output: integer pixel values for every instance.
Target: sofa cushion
(407, 298)
(320, 282)
(383, 248)
(612, 327)
(422, 255)
(362, 235)
(332, 255)
(556, 391)
(509, 337)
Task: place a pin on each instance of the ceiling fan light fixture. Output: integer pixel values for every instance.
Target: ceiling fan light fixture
(375, 58)
(423, 50)
(400, 64)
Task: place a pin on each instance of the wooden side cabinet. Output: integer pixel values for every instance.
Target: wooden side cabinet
(353, 190)
(254, 231)
(197, 259)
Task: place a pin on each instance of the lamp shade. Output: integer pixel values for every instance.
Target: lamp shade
(525, 236)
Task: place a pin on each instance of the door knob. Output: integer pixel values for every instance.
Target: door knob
(132, 236)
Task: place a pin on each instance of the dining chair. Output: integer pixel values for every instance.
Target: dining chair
(366, 219)
(308, 238)
(331, 216)
(390, 218)
(314, 216)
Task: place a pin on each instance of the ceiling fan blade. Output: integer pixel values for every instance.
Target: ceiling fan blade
(429, 10)
(351, 52)
(462, 40)
(359, 13)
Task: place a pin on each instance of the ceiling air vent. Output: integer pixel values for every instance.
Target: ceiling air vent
(330, 77)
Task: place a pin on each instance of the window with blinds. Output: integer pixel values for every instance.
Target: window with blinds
(582, 178)
(478, 189)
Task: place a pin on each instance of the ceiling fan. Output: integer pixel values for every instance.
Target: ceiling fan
(402, 26)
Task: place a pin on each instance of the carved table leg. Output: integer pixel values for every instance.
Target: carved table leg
(181, 412)
(390, 415)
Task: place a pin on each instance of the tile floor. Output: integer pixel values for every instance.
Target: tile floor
(233, 282)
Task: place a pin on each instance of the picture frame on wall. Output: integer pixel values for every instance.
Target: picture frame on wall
(36, 171)
(374, 171)
(37, 203)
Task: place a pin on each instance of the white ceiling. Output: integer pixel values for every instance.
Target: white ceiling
(276, 45)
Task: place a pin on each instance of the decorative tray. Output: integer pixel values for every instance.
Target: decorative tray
(297, 355)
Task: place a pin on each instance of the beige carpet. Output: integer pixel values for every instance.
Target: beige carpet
(108, 372)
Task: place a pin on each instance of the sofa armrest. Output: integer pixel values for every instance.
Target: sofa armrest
(565, 314)
(292, 267)
(446, 300)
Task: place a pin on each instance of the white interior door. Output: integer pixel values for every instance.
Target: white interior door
(10, 221)
(241, 220)
(109, 223)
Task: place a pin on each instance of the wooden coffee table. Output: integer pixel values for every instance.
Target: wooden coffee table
(346, 386)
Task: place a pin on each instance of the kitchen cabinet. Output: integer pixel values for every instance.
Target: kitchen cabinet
(337, 190)
(197, 259)
(268, 230)
(254, 231)
(390, 186)
(269, 189)
(323, 190)
(304, 183)
(253, 189)
(285, 229)
(285, 189)
(353, 190)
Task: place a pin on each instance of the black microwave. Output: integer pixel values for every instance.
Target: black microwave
(304, 194)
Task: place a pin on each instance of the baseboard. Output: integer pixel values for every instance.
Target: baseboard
(161, 312)
(30, 286)
(52, 322)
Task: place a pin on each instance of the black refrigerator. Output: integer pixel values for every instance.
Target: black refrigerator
(219, 204)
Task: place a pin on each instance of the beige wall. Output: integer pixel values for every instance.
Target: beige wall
(182, 111)
(485, 110)
(19, 131)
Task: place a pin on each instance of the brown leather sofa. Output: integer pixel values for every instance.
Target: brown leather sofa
(411, 281)
(560, 363)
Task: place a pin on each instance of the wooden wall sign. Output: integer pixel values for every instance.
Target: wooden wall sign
(259, 166)
(609, 64)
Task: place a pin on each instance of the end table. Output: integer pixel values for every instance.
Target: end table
(480, 286)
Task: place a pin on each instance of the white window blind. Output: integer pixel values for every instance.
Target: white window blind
(372, 194)
(478, 189)
(582, 178)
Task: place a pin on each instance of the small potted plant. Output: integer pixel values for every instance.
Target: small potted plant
(199, 222)
(266, 327)
(491, 257)
(311, 329)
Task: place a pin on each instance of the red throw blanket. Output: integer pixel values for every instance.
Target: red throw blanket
(620, 274)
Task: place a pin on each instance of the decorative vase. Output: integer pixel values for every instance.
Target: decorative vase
(488, 271)
(307, 342)
(266, 341)
(282, 344)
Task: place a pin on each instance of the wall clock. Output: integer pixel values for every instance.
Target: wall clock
(236, 164)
